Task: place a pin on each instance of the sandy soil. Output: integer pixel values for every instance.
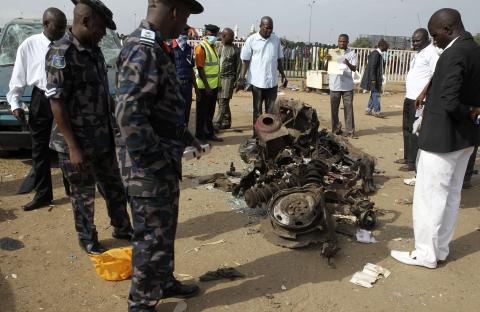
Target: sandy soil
(51, 273)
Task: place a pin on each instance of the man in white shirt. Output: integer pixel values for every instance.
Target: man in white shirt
(421, 71)
(341, 86)
(29, 70)
(262, 57)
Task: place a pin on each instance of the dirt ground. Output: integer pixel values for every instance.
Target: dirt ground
(51, 273)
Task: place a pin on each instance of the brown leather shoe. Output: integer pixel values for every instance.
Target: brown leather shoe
(401, 161)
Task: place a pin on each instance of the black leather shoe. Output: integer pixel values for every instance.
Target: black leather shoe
(179, 290)
(122, 234)
(36, 204)
(214, 138)
(93, 248)
(407, 168)
(467, 185)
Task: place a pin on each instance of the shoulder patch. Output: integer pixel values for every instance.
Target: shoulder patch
(58, 61)
(147, 37)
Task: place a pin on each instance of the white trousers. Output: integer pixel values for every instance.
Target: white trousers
(436, 201)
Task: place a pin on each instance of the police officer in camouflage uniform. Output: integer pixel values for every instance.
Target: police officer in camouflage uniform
(77, 87)
(150, 112)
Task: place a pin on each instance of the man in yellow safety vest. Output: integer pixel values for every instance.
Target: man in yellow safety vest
(207, 71)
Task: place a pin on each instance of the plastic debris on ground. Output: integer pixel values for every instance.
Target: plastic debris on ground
(222, 273)
(218, 181)
(294, 88)
(197, 249)
(183, 277)
(240, 206)
(370, 274)
(10, 244)
(404, 201)
(364, 236)
(181, 307)
(410, 182)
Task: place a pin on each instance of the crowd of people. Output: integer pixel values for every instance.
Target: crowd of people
(73, 113)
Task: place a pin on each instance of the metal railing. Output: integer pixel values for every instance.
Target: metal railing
(298, 60)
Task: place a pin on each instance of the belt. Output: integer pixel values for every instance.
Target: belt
(166, 129)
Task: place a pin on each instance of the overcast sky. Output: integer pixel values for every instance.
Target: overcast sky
(291, 17)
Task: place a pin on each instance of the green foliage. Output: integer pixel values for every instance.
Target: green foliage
(361, 42)
(477, 38)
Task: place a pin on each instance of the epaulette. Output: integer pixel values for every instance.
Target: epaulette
(147, 37)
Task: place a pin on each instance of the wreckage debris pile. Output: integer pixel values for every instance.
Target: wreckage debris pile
(309, 180)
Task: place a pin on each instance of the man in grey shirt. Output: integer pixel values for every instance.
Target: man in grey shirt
(342, 86)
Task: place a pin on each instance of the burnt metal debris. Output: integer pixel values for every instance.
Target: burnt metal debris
(310, 181)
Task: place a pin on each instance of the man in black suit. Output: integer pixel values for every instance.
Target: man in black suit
(373, 77)
(447, 139)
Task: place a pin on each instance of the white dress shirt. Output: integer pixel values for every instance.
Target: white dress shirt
(421, 71)
(263, 55)
(344, 82)
(29, 69)
(451, 43)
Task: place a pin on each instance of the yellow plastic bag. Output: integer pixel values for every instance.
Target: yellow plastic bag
(114, 264)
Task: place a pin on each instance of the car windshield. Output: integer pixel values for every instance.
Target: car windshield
(13, 36)
(16, 33)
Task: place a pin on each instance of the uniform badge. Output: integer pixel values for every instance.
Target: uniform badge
(147, 37)
(58, 61)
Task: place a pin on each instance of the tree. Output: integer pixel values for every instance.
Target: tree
(362, 42)
(477, 38)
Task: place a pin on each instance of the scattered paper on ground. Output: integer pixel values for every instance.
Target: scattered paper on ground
(370, 274)
(364, 236)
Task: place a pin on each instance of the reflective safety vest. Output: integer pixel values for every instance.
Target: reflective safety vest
(212, 67)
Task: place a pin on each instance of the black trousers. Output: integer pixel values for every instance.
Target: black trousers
(40, 122)
(410, 140)
(269, 96)
(471, 165)
(204, 115)
(186, 91)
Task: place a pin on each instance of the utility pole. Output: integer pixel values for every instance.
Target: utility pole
(310, 23)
